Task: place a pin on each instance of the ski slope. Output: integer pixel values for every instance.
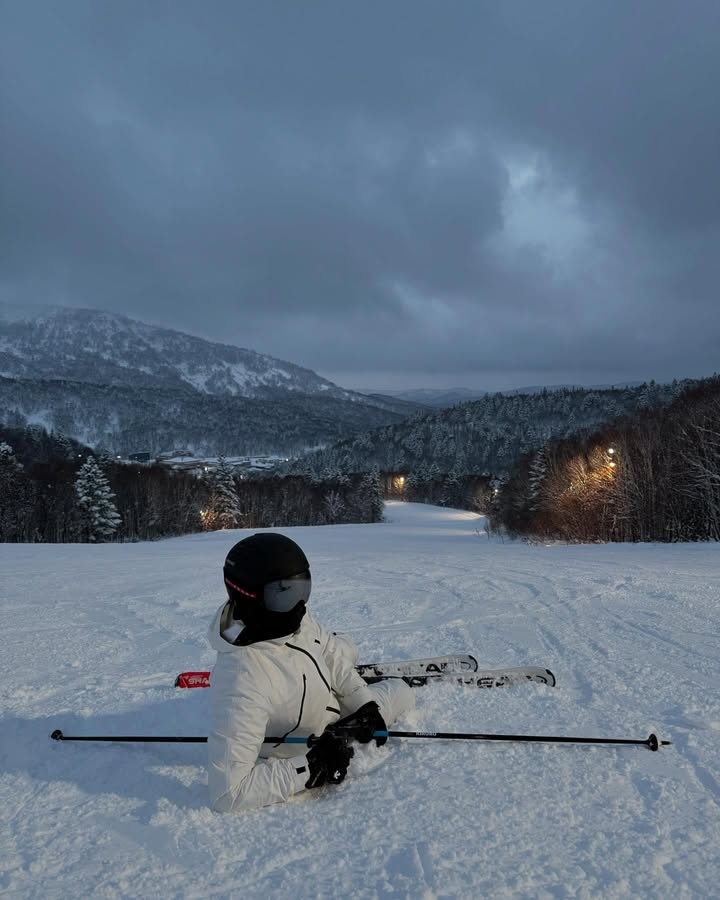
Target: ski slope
(92, 637)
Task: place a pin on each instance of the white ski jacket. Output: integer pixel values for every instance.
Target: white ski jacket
(296, 685)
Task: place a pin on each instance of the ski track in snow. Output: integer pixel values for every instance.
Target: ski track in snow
(94, 635)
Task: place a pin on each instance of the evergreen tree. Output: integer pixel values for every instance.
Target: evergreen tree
(100, 519)
(451, 489)
(15, 504)
(372, 502)
(538, 471)
(224, 509)
(63, 447)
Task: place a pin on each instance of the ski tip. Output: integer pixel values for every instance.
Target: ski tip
(474, 662)
(57, 735)
(193, 680)
(552, 681)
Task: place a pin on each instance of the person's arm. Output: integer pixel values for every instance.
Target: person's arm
(237, 779)
(340, 656)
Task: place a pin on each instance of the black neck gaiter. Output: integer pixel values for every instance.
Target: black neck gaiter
(263, 625)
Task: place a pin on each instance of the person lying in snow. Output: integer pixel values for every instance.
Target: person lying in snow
(280, 673)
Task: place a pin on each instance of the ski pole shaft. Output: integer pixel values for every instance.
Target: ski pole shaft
(651, 742)
(58, 735)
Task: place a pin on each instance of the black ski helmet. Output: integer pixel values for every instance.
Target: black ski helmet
(266, 572)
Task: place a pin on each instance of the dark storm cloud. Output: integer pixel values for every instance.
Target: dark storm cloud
(487, 190)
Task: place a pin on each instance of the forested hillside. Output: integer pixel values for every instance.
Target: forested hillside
(124, 419)
(652, 476)
(121, 385)
(484, 436)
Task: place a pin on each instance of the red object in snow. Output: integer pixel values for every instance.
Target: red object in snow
(193, 680)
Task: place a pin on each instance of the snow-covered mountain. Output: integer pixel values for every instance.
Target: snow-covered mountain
(99, 347)
(111, 381)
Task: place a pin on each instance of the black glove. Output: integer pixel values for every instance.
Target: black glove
(328, 759)
(362, 723)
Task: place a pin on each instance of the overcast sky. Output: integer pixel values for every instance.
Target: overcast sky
(394, 194)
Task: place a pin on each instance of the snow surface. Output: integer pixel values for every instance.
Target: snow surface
(92, 637)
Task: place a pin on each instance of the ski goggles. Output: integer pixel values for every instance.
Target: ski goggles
(277, 596)
(285, 594)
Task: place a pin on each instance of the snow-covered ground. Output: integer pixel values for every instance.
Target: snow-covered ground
(92, 636)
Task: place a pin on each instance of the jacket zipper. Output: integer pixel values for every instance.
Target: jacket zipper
(301, 650)
(302, 705)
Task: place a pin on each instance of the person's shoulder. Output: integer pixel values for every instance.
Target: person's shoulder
(249, 668)
(311, 629)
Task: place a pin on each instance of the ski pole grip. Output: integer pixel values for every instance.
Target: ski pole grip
(57, 735)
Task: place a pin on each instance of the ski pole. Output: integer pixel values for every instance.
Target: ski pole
(651, 742)
(57, 735)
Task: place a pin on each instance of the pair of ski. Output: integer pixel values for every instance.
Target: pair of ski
(454, 669)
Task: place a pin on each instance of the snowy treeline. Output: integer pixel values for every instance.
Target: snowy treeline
(54, 491)
(427, 484)
(483, 436)
(267, 500)
(654, 476)
(283, 500)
